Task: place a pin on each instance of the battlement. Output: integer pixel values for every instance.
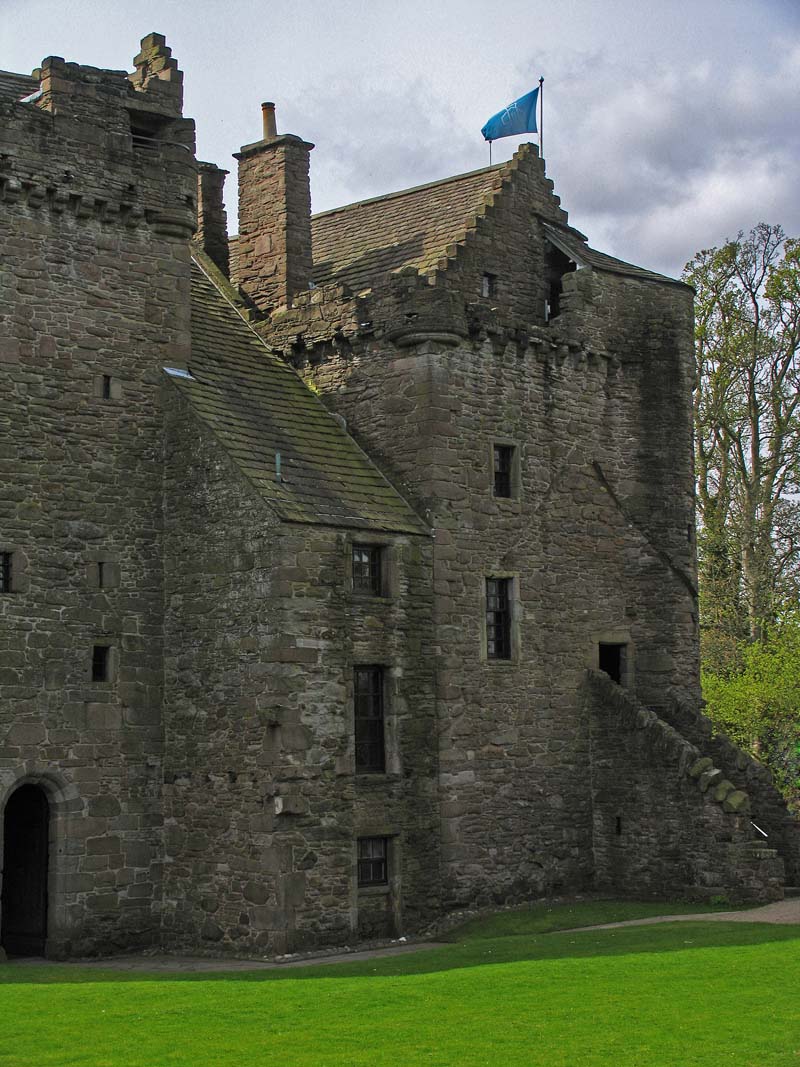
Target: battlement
(102, 144)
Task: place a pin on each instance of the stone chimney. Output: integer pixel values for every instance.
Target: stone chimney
(212, 221)
(274, 246)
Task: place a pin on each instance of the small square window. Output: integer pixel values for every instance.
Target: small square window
(373, 861)
(498, 618)
(367, 569)
(488, 285)
(503, 470)
(101, 663)
(5, 572)
(369, 720)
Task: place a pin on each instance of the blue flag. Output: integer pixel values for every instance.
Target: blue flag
(519, 117)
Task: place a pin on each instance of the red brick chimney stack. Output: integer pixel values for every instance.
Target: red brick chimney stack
(274, 247)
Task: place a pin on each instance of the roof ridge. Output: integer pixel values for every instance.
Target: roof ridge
(499, 167)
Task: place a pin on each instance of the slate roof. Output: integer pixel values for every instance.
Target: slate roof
(256, 406)
(14, 87)
(576, 248)
(358, 243)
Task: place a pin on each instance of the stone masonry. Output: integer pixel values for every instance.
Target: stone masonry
(205, 438)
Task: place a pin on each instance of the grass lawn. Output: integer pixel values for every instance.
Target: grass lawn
(505, 991)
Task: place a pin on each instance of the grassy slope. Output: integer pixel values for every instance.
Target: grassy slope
(682, 995)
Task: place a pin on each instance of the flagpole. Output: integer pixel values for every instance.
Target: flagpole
(541, 117)
(490, 153)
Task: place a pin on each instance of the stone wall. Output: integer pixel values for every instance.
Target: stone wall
(666, 820)
(768, 806)
(94, 288)
(595, 540)
(263, 808)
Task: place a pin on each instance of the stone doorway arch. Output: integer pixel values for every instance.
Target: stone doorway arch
(26, 862)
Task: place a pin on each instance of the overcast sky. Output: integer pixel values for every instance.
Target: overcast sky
(669, 124)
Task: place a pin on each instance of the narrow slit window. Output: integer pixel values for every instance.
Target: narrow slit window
(498, 618)
(373, 861)
(367, 576)
(101, 663)
(503, 470)
(101, 576)
(106, 387)
(5, 572)
(369, 720)
(488, 285)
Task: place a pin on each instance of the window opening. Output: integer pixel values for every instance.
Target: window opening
(106, 387)
(611, 659)
(498, 618)
(488, 285)
(101, 578)
(503, 467)
(5, 572)
(367, 569)
(373, 866)
(556, 266)
(146, 129)
(369, 720)
(618, 826)
(101, 662)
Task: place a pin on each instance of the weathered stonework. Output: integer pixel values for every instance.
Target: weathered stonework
(178, 519)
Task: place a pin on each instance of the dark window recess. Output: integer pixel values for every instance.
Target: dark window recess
(369, 720)
(618, 826)
(5, 572)
(488, 285)
(503, 467)
(373, 866)
(146, 129)
(367, 569)
(106, 387)
(556, 266)
(498, 618)
(611, 659)
(101, 577)
(101, 663)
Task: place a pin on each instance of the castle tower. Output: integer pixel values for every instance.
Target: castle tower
(98, 186)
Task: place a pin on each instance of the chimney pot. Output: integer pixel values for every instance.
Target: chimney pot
(268, 120)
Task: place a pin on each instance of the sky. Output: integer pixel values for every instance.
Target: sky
(669, 126)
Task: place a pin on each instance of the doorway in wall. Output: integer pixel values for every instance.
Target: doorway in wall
(26, 835)
(612, 659)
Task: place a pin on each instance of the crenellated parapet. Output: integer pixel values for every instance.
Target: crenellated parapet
(103, 145)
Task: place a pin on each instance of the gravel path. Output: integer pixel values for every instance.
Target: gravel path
(782, 911)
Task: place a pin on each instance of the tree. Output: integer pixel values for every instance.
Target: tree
(747, 437)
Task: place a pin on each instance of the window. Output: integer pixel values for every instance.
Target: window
(503, 470)
(369, 720)
(488, 285)
(101, 575)
(101, 663)
(373, 866)
(367, 577)
(498, 618)
(612, 659)
(106, 387)
(5, 572)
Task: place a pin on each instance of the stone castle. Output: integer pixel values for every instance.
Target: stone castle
(347, 567)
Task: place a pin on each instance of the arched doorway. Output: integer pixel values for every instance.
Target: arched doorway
(25, 854)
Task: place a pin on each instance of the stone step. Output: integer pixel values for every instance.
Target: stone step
(790, 891)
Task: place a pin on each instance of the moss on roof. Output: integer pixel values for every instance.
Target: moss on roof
(258, 406)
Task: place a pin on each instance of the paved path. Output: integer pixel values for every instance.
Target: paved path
(198, 964)
(782, 911)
